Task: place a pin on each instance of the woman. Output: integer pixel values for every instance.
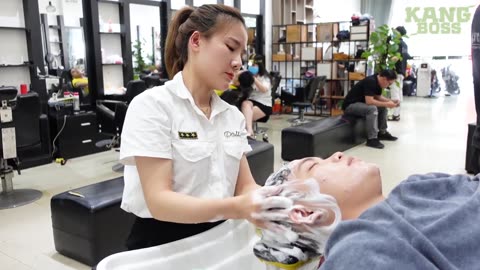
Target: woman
(427, 222)
(183, 147)
(259, 106)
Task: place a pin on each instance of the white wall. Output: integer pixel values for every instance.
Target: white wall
(334, 11)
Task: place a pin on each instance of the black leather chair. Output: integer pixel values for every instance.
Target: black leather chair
(34, 146)
(305, 97)
(23, 142)
(111, 115)
(152, 80)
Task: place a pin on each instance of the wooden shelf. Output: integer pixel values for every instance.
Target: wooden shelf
(112, 64)
(13, 28)
(337, 97)
(110, 1)
(111, 33)
(14, 65)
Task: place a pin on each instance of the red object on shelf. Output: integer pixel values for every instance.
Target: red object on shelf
(23, 89)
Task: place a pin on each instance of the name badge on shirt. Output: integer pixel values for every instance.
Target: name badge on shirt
(188, 135)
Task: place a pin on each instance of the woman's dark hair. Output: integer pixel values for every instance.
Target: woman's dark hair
(390, 74)
(259, 60)
(206, 19)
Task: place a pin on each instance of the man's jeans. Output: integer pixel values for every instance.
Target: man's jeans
(376, 117)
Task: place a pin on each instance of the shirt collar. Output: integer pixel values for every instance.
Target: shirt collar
(178, 87)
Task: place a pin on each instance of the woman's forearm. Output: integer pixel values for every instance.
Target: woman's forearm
(180, 208)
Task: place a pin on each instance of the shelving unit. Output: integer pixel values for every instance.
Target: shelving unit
(14, 65)
(54, 45)
(300, 53)
(111, 23)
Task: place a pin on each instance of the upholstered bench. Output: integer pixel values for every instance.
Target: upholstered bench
(323, 137)
(88, 223)
(260, 160)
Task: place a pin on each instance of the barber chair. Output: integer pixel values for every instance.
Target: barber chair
(113, 112)
(152, 80)
(10, 198)
(305, 98)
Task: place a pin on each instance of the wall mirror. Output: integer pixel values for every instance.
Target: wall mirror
(63, 39)
(145, 38)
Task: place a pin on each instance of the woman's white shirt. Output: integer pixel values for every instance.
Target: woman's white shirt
(164, 122)
(263, 97)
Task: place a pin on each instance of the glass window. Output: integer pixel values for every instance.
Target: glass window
(177, 4)
(250, 6)
(228, 2)
(198, 3)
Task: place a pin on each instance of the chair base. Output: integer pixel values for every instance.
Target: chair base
(19, 197)
(118, 168)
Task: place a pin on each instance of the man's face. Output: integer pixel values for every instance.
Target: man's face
(349, 180)
(384, 82)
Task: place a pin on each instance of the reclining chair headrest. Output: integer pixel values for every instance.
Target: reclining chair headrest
(8, 93)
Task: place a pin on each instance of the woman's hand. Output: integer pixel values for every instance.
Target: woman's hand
(256, 206)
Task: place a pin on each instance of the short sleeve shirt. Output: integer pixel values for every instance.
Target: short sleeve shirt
(164, 122)
(366, 87)
(263, 97)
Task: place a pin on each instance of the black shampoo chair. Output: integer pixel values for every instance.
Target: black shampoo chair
(113, 112)
(22, 139)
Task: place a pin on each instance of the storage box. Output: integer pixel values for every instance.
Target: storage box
(324, 69)
(296, 33)
(356, 76)
(251, 35)
(312, 53)
(324, 32)
(281, 57)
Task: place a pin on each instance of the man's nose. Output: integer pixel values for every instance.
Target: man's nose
(337, 156)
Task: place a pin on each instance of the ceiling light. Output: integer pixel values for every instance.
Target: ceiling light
(51, 8)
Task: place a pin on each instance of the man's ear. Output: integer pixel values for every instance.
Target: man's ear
(300, 214)
(194, 41)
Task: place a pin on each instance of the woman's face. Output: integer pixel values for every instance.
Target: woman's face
(220, 56)
(349, 180)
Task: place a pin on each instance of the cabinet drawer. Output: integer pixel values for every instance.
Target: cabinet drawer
(78, 126)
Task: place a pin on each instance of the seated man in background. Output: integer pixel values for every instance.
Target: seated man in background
(79, 81)
(365, 100)
(427, 222)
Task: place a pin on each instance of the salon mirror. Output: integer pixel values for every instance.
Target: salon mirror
(63, 39)
(145, 36)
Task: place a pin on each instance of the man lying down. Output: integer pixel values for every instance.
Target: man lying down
(427, 222)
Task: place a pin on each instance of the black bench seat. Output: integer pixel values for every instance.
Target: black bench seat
(323, 137)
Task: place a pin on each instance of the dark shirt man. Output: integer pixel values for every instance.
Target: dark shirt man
(365, 100)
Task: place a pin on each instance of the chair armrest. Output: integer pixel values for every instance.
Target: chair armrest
(45, 134)
(109, 101)
(105, 111)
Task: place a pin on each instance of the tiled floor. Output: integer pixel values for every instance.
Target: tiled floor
(432, 138)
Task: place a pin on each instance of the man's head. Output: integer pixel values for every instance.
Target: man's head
(76, 73)
(401, 30)
(299, 232)
(386, 78)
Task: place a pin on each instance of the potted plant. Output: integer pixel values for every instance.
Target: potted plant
(140, 63)
(382, 50)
